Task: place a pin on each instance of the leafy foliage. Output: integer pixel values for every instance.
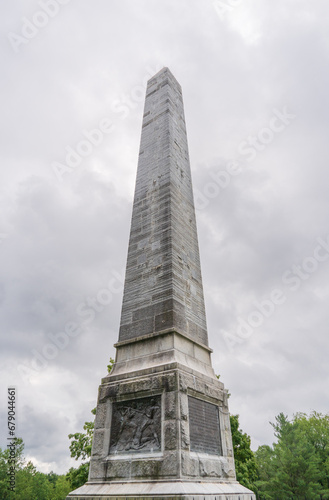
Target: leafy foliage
(245, 462)
(296, 466)
(80, 447)
(78, 477)
(30, 484)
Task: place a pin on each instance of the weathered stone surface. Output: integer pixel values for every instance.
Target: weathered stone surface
(146, 468)
(228, 468)
(169, 464)
(97, 469)
(134, 386)
(185, 435)
(210, 468)
(163, 286)
(118, 469)
(98, 442)
(190, 466)
(101, 415)
(226, 428)
(183, 406)
(107, 391)
(170, 405)
(170, 434)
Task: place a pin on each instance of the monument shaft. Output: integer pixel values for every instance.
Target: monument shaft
(162, 427)
(163, 286)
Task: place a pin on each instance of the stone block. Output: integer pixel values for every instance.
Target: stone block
(169, 465)
(170, 405)
(185, 382)
(135, 386)
(168, 381)
(101, 415)
(157, 383)
(128, 331)
(164, 342)
(185, 435)
(185, 345)
(118, 469)
(153, 310)
(98, 442)
(228, 468)
(200, 386)
(180, 322)
(170, 434)
(97, 470)
(146, 468)
(190, 465)
(164, 320)
(210, 467)
(183, 406)
(108, 391)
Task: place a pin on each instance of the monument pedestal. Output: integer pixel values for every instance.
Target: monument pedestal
(173, 490)
(162, 414)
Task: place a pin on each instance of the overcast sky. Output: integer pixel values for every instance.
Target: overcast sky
(255, 84)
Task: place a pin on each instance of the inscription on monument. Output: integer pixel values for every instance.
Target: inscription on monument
(136, 426)
(204, 427)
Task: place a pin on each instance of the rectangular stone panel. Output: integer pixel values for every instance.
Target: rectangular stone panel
(204, 427)
(136, 426)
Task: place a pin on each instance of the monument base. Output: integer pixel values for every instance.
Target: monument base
(162, 431)
(173, 490)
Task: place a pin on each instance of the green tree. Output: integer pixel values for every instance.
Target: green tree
(52, 478)
(80, 448)
(316, 429)
(245, 462)
(6, 463)
(264, 457)
(78, 476)
(61, 488)
(296, 466)
(30, 484)
(81, 443)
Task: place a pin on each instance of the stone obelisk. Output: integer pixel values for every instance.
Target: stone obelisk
(162, 427)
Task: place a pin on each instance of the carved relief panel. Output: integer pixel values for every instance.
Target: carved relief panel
(136, 426)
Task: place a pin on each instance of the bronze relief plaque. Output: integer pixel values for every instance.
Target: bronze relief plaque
(136, 426)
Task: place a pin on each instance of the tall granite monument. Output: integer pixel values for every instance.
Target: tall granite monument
(162, 428)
